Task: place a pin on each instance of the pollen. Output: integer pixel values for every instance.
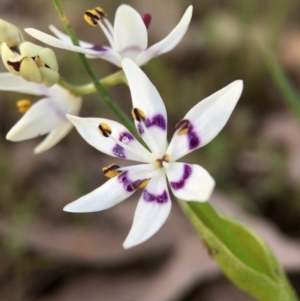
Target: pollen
(183, 127)
(166, 158)
(158, 163)
(139, 184)
(111, 170)
(144, 183)
(23, 105)
(138, 114)
(105, 129)
(92, 16)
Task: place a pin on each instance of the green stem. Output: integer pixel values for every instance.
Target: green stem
(283, 83)
(99, 87)
(212, 220)
(109, 81)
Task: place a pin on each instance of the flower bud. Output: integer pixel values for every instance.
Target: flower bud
(10, 34)
(32, 62)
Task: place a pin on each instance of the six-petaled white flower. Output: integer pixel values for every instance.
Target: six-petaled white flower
(46, 116)
(128, 38)
(187, 181)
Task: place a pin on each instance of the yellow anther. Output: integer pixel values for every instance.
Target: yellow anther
(111, 170)
(183, 127)
(139, 184)
(144, 183)
(92, 16)
(23, 105)
(158, 163)
(166, 158)
(138, 114)
(101, 12)
(105, 129)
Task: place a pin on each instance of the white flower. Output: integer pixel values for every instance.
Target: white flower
(188, 182)
(128, 37)
(46, 116)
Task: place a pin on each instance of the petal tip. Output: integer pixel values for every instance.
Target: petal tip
(69, 208)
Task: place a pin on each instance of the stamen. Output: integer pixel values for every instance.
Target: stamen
(101, 12)
(138, 114)
(158, 163)
(92, 16)
(183, 127)
(104, 129)
(23, 105)
(166, 158)
(108, 34)
(147, 19)
(111, 170)
(139, 184)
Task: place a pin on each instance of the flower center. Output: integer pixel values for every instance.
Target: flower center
(160, 162)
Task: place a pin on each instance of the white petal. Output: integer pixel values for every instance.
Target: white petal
(206, 119)
(103, 52)
(152, 211)
(146, 98)
(54, 137)
(64, 37)
(14, 83)
(129, 30)
(110, 193)
(62, 130)
(169, 42)
(119, 144)
(190, 182)
(39, 120)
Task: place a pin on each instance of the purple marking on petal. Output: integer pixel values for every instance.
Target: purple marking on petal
(140, 129)
(125, 137)
(194, 140)
(159, 198)
(119, 151)
(187, 170)
(157, 120)
(126, 182)
(99, 48)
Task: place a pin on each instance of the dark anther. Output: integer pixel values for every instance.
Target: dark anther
(105, 131)
(15, 65)
(138, 115)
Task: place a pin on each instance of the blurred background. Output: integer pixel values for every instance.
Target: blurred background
(47, 254)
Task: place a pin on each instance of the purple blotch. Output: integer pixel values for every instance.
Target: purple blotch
(157, 120)
(99, 48)
(159, 198)
(187, 170)
(126, 182)
(119, 151)
(193, 139)
(125, 137)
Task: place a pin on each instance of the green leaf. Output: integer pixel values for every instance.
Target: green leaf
(243, 256)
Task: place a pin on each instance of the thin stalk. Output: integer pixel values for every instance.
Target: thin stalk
(99, 87)
(106, 82)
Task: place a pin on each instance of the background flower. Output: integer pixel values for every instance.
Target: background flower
(46, 116)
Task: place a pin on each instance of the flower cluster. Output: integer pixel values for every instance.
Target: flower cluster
(33, 71)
